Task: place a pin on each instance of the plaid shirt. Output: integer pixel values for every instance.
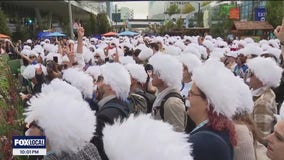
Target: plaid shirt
(264, 110)
(89, 152)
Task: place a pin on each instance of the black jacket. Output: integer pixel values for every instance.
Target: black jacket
(108, 113)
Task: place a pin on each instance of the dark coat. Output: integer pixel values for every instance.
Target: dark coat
(108, 115)
(211, 145)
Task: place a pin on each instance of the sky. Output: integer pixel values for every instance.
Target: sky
(140, 8)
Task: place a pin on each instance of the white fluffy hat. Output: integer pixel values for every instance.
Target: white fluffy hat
(94, 71)
(30, 71)
(126, 60)
(58, 84)
(145, 53)
(208, 44)
(80, 80)
(276, 52)
(220, 90)
(68, 123)
(190, 61)
(246, 103)
(118, 78)
(137, 72)
(252, 48)
(173, 50)
(169, 145)
(169, 69)
(193, 49)
(266, 70)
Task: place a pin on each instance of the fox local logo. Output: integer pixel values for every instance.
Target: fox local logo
(29, 145)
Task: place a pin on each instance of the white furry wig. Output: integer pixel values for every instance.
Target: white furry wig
(145, 53)
(29, 72)
(266, 70)
(62, 86)
(208, 44)
(252, 49)
(217, 53)
(161, 143)
(118, 78)
(169, 69)
(94, 71)
(80, 80)
(246, 103)
(194, 49)
(137, 72)
(190, 61)
(218, 84)
(68, 123)
(124, 60)
(172, 50)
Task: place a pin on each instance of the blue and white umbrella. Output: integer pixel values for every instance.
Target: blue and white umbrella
(127, 33)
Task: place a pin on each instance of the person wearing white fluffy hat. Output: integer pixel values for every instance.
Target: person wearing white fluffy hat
(143, 138)
(167, 77)
(113, 86)
(264, 74)
(213, 102)
(65, 119)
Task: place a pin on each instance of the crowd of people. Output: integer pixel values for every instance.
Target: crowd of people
(147, 97)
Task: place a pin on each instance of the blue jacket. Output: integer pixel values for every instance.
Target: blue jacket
(211, 145)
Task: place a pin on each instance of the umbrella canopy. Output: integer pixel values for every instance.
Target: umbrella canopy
(110, 34)
(128, 33)
(3, 36)
(42, 34)
(55, 34)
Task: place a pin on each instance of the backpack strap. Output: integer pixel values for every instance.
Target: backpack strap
(116, 106)
(171, 94)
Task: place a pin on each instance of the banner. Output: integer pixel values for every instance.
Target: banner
(234, 13)
(259, 14)
(225, 9)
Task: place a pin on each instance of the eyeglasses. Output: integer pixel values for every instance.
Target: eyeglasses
(34, 124)
(32, 57)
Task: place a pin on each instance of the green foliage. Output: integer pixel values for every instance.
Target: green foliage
(3, 24)
(200, 19)
(187, 8)
(172, 9)
(11, 110)
(21, 33)
(275, 12)
(179, 23)
(91, 26)
(102, 23)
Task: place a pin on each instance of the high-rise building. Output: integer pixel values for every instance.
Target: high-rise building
(156, 10)
(126, 13)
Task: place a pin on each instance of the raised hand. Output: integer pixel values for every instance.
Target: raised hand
(279, 31)
(81, 32)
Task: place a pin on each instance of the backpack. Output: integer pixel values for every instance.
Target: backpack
(150, 98)
(172, 94)
(119, 107)
(137, 103)
(190, 125)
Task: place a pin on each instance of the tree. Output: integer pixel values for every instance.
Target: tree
(91, 26)
(275, 12)
(179, 23)
(187, 8)
(172, 9)
(200, 19)
(102, 23)
(3, 24)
